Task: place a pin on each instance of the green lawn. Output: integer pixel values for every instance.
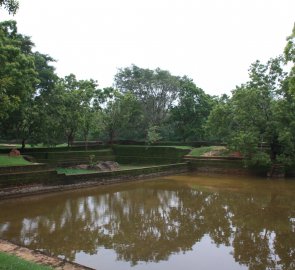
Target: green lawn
(10, 262)
(6, 160)
(130, 167)
(74, 171)
(184, 147)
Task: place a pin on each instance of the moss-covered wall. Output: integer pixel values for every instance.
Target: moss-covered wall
(28, 178)
(148, 154)
(71, 157)
(23, 168)
(224, 166)
(51, 177)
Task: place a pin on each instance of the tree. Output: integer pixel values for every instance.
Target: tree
(91, 98)
(190, 114)
(285, 107)
(156, 90)
(74, 103)
(10, 5)
(249, 120)
(122, 116)
(18, 78)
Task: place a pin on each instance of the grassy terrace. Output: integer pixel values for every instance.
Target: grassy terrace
(5, 160)
(209, 150)
(10, 262)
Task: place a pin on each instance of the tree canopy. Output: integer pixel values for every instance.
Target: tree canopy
(10, 5)
(38, 106)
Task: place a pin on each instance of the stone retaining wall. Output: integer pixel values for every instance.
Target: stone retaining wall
(136, 154)
(50, 181)
(23, 168)
(228, 166)
(68, 158)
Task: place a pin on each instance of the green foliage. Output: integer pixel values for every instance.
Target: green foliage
(11, 262)
(256, 116)
(10, 5)
(18, 76)
(156, 90)
(153, 135)
(122, 116)
(189, 116)
(260, 160)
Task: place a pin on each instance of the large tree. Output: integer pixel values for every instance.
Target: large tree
(71, 104)
(122, 117)
(156, 90)
(18, 78)
(190, 114)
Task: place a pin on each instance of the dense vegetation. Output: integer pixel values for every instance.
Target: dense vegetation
(36, 106)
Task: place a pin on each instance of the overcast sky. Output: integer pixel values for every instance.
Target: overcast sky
(211, 41)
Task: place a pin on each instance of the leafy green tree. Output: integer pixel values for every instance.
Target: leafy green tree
(18, 79)
(74, 105)
(10, 5)
(17, 73)
(285, 107)
(90, 109)
(249, 120)
(122, 116)
(153, 135)
(221, 114)
(156, 90)
(190, 114)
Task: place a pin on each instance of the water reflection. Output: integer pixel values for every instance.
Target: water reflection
(149, 221)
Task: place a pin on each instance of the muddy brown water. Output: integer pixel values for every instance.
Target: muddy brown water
(184, 221)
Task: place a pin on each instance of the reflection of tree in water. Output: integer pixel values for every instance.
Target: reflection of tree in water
(153, 222)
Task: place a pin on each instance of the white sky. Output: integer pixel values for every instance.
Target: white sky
(211, 41)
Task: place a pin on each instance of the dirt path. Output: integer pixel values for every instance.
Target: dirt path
(38, 257)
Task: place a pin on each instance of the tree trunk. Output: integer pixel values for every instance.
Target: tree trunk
(111, 136)
(86, 142)
(70, 138)
(23, 143)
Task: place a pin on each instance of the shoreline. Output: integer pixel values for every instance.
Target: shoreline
(39, 189)
(38, 257)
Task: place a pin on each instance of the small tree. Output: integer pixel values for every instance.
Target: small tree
(153, 135)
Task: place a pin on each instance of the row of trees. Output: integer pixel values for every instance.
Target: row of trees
(38, 106)
(261, 112)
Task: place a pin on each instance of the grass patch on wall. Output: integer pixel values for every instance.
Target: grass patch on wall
(13, 161)
(70, 171)
(10, 262)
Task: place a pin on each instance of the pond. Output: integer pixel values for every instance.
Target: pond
(188, 220)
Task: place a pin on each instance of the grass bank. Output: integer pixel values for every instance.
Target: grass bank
(10, 262)
(6, 160)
